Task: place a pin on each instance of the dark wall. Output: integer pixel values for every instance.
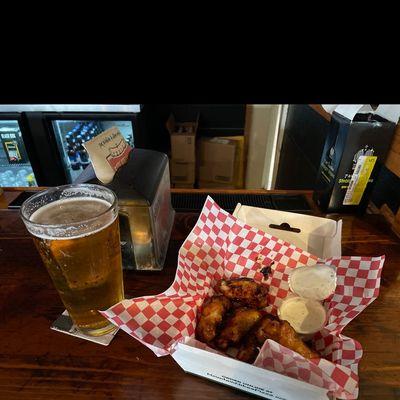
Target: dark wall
(302, 146)
(387, 190)
(215, 120)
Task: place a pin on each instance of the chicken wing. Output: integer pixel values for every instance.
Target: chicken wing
(242, 320)
(279, 331)
(290, 339)
(211, 316)
(267, 328)
(244, 290)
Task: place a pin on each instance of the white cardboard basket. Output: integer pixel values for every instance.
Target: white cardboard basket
(319, 236)
(228, 371)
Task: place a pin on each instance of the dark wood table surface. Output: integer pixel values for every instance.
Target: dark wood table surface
(38, 363)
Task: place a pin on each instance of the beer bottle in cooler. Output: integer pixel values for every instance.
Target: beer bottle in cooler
(98, 128)
(74, 132)
(84, 157)
(68, 137)
(78, 127)
(74, 160)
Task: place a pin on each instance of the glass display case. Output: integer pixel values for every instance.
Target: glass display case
(15, 166)
(72, 134)
(42, 144)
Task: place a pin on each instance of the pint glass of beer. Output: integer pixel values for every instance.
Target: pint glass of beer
(75, 229)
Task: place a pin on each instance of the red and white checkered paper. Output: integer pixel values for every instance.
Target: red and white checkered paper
(222, 246)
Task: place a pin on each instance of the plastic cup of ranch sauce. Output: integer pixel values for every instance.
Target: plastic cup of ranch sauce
(304, 309)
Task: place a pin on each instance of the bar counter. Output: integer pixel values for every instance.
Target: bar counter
(38, 363)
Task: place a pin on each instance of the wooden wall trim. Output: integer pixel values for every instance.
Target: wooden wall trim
(247, 131)
(393, 158)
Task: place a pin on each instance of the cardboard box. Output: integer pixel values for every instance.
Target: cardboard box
(216, 160)
(220, 161)
(356, 146)
(239, 161)
(182, 172)
(183, 139)
(319, 236)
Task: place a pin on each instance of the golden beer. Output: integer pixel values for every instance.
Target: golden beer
(78, 240)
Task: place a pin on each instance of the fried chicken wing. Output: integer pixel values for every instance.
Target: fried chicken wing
(248, 351)
(267, 328)
(279, 331)
(244, 290)
(234, 316)
(290, 339)
(211, 316)
(242, 320)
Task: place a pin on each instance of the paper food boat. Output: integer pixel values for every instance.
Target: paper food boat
(221, 245)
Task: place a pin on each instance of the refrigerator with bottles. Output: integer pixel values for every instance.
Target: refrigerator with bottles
(42, 144)
(71, 135)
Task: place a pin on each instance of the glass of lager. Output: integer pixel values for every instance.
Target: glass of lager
(75, 228)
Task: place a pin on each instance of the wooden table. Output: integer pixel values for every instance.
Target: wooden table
(38, 363)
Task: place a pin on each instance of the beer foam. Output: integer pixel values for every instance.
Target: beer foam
(72, 214)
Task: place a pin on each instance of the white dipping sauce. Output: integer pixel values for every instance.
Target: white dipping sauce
(316, 282)
(306, 316)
